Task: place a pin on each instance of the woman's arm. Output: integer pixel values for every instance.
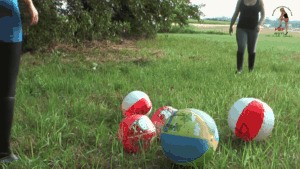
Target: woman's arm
(28, 2)
(262, 13)
(33, 12)
(235, 15)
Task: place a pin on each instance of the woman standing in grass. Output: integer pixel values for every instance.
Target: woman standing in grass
(247, 30)
(10, 50)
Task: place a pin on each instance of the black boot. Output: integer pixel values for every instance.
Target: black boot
(6, 118)
(240, 61)
(251, 60)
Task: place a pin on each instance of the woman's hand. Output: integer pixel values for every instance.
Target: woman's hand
(34, 14)
(258, 28)
(230, 30)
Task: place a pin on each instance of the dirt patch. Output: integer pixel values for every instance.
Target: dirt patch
(91, 45)
(107, 51)
(295, 57)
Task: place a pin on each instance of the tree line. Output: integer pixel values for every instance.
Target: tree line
(74, 21)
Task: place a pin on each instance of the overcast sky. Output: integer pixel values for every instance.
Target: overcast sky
(219, 8)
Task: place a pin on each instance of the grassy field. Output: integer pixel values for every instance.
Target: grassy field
(207, 21)
(68, 100)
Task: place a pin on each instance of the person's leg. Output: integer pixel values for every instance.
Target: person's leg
(241, 38)
(252, 41)
(9, 67)
(280, 23)
(286, 26)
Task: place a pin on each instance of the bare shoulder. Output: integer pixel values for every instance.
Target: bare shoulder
(262, 6)
(238, 3)
(261, 2)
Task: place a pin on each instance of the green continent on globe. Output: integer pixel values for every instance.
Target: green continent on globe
(186, 123)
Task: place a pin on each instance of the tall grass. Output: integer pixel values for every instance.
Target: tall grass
(68, 101)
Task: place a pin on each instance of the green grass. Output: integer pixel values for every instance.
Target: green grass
(215, 22)
(194, 21)
(67, 114)
(190, 29)
(207, 21)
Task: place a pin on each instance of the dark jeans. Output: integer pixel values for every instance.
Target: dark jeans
(246, 37)
(9, 68)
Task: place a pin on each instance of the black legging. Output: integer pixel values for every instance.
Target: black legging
(246, 38)
(9, 68)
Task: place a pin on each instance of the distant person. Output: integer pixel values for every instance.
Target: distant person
(10, 51)
(284, 17)
(248, 27)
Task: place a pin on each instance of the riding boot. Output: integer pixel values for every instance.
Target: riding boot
(251, 60)
(6, 118)
(240, 61)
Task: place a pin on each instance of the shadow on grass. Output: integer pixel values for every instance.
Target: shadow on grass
(279, 35)
(238, 144)
(141, 61)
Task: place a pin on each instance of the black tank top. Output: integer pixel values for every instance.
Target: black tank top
(285, 15)
(248, 15)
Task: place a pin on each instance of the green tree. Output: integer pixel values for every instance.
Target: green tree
(82, 20)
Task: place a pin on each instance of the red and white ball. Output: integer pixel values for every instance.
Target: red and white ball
(160, 116)
(136, 132)
(136, 102)
(251, 119)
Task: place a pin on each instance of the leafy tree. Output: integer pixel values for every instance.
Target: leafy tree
(82, 20)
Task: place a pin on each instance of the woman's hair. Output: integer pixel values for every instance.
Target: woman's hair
(282, 10)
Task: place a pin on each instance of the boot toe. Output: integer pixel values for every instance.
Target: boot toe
(8, 159)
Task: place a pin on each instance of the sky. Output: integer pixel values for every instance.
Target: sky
(219, 8)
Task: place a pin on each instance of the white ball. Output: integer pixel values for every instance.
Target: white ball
(136, 102)
(251, 119)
